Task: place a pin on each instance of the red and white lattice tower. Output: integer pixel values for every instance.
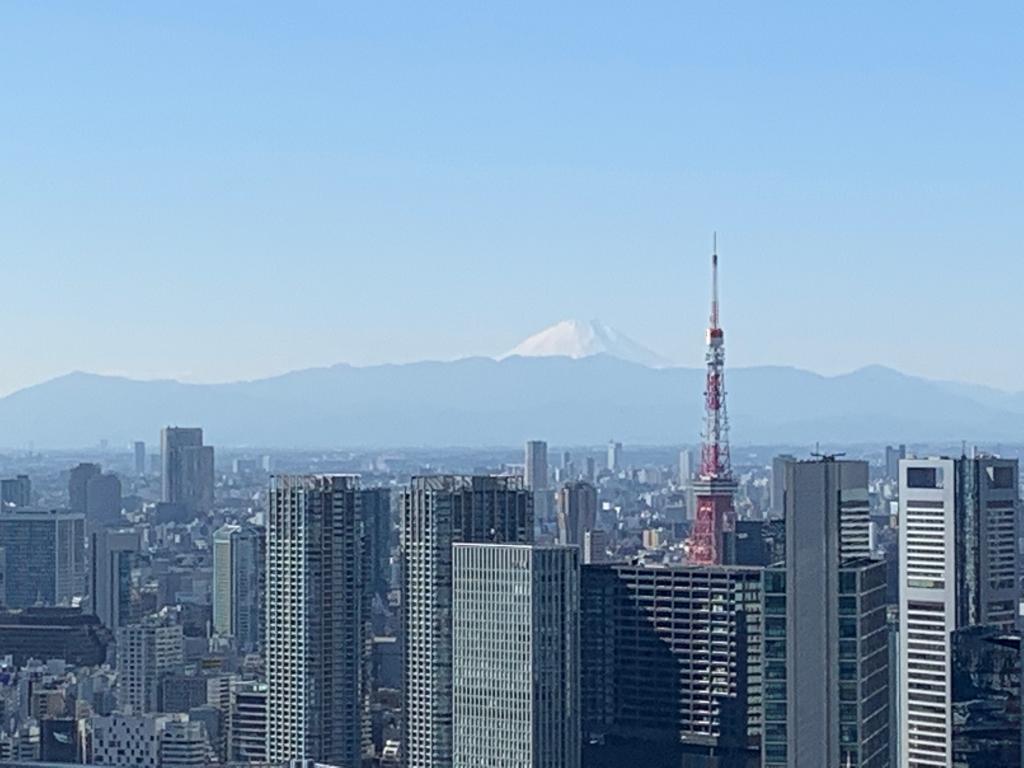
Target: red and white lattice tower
(714, 487)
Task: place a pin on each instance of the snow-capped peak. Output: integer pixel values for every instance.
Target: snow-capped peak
(577, 338)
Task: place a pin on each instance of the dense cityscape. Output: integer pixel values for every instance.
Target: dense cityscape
(511, 385)
(561, 607)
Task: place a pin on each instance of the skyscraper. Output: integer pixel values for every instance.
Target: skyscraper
(377, 513)
(103, 500)
(577, 512)
(893, 457)
(318, 621)
(516, 656)
(778, 487)
(985, 698)
(685, 466)
(238, 570)
(438, 512)
(140, 458)
(16, 491)
(78, 481)
(44, 556)
(187, 468)
(614, 456)
(959, 532)
(826, 663)
(113, 556)
(536, 476)
(671, 665)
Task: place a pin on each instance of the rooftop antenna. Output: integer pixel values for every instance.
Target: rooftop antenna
(714, 280)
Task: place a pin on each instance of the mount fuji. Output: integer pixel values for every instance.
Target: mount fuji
(577, 339)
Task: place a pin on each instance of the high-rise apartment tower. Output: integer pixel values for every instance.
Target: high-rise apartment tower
(319, 636)
(438, 512)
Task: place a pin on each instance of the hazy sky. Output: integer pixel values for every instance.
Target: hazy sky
(222, 190)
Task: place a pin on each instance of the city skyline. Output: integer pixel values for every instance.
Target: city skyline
(839, 147)
(367, 401)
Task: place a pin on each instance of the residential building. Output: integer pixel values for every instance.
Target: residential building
(145, 653)
(377, 512)
(438, 512)
(318, 645)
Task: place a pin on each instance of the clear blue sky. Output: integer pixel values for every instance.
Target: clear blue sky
(221, 190)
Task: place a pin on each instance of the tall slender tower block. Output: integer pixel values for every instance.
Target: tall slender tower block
(437, 512)
(318, 641)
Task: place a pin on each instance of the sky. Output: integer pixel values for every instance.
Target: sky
(218, 191)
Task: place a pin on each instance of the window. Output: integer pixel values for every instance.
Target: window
(1000, 477)
(924, 477)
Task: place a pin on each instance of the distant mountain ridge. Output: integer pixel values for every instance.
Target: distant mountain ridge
(481, 401)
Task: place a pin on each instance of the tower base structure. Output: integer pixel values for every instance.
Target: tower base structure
(715, 515)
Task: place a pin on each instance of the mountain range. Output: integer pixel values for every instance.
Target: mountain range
(483, 401)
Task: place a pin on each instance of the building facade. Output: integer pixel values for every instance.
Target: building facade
(318, 642)
(826, 660)
(238, 584)
(44, 556)
(437, 512)
(247, 722)
(16, 491)
(377, 511)
(536, 474)
(145, 653)
(959, 533)
(577, 512)
(186, 468)
(985, 692)
(671, 665)
(114, 553)
(515, 666)
(103, 502)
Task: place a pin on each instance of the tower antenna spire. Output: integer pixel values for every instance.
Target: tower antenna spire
(714, 280)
